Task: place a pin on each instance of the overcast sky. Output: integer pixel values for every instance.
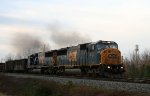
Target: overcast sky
(125, 21)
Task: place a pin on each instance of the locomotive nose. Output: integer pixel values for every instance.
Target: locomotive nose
(110, 56)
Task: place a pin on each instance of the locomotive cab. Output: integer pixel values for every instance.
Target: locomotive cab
(110, 57)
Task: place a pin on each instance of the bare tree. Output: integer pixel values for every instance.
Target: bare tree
(9, 57)
(140, 69)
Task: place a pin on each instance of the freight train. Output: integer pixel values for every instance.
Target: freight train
(100, 58)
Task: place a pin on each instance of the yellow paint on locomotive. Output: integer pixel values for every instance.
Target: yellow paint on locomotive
(41, 57)
(73, 55)
(54, 59)
(110, 56)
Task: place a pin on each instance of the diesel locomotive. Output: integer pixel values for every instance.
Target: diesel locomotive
(101, 58)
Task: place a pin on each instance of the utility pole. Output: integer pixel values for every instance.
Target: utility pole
(137, 53)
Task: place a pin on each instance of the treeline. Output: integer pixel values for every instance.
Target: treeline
(138, 65)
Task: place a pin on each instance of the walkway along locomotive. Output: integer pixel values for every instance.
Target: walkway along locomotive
(102, 58)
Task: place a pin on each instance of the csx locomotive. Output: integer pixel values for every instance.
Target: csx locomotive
(101, 58)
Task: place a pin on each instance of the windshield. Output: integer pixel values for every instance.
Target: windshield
(102, 46)
(113, 46)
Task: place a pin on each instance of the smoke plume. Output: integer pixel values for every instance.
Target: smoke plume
(27, 44)
(64, 38)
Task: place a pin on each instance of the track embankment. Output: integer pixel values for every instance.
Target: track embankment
(124, 86)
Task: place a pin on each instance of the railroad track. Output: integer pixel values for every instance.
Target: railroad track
(100, 83)
(77, 76)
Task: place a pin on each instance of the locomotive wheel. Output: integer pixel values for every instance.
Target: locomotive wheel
(61, 71)
(89, 71)
(55, 71)
(42, 70)
(101, 71)
(84, 71)
(29, 70)
(50, 70)
(94, 72)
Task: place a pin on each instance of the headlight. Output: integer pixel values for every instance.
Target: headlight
(121, 67)
(108, 67)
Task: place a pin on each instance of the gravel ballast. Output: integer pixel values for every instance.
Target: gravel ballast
(123, 86)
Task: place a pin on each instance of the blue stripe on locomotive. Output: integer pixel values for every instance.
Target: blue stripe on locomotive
(97, 55)
(48, 61)
(94, 55)
(62, 59)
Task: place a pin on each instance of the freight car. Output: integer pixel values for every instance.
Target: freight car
(2, 67)
(16, 65)
(101, 58)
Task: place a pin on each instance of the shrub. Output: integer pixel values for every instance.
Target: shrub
(138, 66)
